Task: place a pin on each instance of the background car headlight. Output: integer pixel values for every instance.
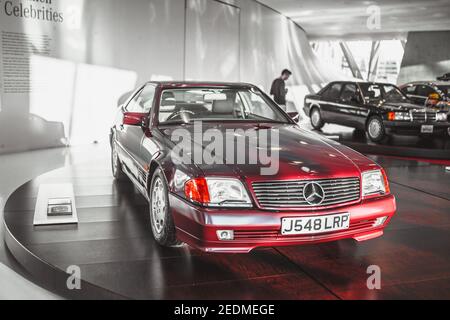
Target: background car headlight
(218, 192)
(441, 116)
(374, 183)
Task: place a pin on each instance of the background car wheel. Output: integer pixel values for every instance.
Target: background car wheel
(116, 166)
(359, 135)
(375, 129)
(316, 119)
(163, 227)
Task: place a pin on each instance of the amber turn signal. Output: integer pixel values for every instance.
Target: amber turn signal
(197, 190)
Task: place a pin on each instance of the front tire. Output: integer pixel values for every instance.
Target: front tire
(375, 129)
(316, 119)
(161, 221)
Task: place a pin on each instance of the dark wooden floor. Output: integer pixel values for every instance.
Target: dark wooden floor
(437, 147)
(114, 249)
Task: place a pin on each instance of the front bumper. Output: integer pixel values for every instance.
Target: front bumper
(414, 128)
(254, 228)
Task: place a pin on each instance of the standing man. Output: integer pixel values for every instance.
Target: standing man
(278, 90)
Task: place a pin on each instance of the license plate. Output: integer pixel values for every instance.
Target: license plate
(312, 225)
(426, 129)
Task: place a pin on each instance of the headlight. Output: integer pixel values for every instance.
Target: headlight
(399, 116)
(441, 116)
(217, 192)
(374, 183)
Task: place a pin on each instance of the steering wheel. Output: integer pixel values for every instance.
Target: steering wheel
(179, 113)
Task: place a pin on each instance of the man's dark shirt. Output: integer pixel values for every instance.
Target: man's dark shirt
(278, 91)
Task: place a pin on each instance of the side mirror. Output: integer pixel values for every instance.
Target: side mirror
(294, 116)
(134, 119)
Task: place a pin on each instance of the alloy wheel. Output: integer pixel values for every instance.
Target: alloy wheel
(315, 118)
(374, 128)
(158, 206)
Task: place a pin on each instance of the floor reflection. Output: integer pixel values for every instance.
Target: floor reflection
(350, 135)
(115, 250)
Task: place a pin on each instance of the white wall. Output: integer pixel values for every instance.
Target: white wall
(269, 43)
(427, 56)
(212, 41)
(104, 47)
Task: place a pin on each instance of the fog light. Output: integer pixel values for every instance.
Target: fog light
(225, 235)
(380, 221)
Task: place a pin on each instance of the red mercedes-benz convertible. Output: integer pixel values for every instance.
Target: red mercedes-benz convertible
(225, 169)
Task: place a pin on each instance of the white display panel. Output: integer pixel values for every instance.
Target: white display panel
(56, 74)
(51, 194)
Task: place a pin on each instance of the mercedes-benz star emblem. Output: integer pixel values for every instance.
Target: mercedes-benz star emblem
(313, 193)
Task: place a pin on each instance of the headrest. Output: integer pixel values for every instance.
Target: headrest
(223, 106)
(168, 99)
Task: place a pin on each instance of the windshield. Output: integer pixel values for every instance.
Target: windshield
(387, 92)
(212, 104)
(445, 90)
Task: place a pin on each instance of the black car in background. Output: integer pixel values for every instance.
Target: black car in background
(435, 94)
(444, 77)
(377, 108)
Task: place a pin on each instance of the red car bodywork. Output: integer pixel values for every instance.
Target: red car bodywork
(256, 228)
(259, 226)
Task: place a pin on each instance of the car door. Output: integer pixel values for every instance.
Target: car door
(422, 93)
(129, 136)
(410, 92)
(329, 102)
(351, 113)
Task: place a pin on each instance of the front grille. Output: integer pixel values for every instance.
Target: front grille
(255, 234)
(289, 194)
(421, 116)
(276, 234)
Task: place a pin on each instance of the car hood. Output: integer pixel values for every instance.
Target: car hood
(400, 106)
(300, 154)
(406, 106)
